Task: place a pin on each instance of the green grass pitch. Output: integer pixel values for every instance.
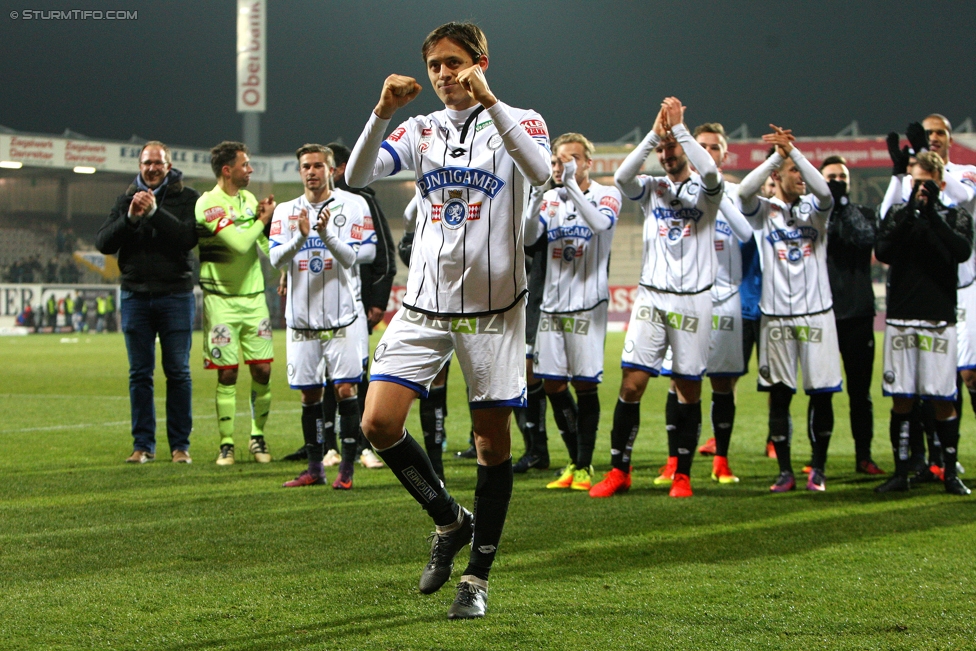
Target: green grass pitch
(99, 554)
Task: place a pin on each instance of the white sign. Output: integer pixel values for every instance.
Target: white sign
(252, 67)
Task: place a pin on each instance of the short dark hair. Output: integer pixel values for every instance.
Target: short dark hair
(225, 154)
(340, 151)
(939, 116)
(711, 127)
(836, 159)
(310, 148)
(468, 35)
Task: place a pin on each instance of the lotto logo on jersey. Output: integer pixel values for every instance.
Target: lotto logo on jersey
(213, 214)
(611, 203)
(276, 228)
(396, 135)
(802, 333)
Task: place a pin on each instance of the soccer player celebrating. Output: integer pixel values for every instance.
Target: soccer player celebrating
(325, 317)
(923, 241)
(674, 305)
(230, 226)
(798, 322)
(577, 221)
(464, 290)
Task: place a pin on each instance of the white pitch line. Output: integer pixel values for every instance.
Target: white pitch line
(118, 423)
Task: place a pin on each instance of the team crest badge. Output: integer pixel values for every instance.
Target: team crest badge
(339, 221)
(455, 211)
(794, 254)
(316, 264)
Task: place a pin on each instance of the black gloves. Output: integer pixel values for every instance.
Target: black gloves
(917, 138)
(899, 156)
(405, 248)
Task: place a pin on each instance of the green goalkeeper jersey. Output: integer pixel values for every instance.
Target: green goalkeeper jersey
(230, 233)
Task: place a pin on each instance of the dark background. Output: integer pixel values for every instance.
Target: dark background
(600, 68)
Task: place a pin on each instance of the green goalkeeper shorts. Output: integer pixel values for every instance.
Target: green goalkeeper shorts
(232, 323)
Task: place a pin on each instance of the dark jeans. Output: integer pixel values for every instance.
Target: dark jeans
(856, 339)
(171, 317)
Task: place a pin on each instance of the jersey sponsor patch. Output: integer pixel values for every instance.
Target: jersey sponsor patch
(694, 214)
(611, 203)
(368, 223)
(426, 137)
(219, 335)
(396, 135)
(357, 232)
(215, 213)
(471, 178)
(276, 228)
(535, 128)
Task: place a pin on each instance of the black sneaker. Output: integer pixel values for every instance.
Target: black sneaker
(527, 461)
(444, 547)
(301, 454)
(954, 486)
(470, 453)
(471, 600)
(924, 476)
(897, 484)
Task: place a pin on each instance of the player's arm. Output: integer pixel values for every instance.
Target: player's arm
(535, 224)
(893, 233)
(367, 161)
(214, 218)
(282, 251)
(956, 191)
(752, 184)
(955, 240)
(530, 152)
(627, 178)
(699, 158)
(735, 219)
(598, 219)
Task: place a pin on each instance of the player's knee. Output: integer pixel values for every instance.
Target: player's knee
(260, 373)
(227, 376)
(345, 390)
(312, 396)
(780, 397)
(554, 386)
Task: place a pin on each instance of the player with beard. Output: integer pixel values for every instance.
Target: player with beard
(326, 320)
(465, 288)
(674, 305)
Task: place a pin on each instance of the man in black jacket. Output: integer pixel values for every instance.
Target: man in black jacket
(923, 241)
(850, 240)
(152, 229)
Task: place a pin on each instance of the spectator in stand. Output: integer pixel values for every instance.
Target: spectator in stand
(152, 229)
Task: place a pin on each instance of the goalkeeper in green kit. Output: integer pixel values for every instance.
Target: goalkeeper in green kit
(236, 324)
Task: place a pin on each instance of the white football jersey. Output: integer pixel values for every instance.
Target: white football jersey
(794, 257)
(467, 256)
(679, 232)
(322, 294)
(728, 276)
(579, 259)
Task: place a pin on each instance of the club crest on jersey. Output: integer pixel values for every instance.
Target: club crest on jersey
(220, 335)
(339, 220)
(495, 142)
(570, 253)
(316, 265)
(455, 212)
(460, 177)
(794, 254)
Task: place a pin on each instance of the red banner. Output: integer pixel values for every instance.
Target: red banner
(746, 156)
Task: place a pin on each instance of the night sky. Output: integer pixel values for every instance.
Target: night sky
(600, 68)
